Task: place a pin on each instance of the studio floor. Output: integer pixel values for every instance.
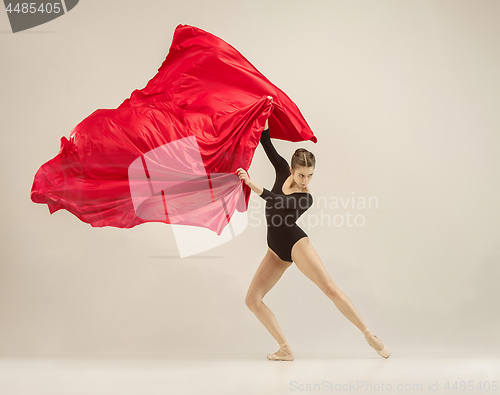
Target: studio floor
(410, 372)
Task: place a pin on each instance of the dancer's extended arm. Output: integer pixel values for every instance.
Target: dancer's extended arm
(285, 201)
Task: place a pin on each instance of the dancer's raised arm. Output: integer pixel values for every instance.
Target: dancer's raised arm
(276, 159)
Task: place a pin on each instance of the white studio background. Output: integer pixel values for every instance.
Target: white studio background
(403, 97)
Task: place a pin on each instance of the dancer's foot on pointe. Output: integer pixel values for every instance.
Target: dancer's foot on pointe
(377, 344)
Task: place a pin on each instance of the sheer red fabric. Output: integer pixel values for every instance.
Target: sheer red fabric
(169, 153)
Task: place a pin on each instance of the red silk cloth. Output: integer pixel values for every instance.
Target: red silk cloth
(169, 153)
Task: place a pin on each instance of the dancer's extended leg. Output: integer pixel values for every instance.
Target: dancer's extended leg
(308, 261)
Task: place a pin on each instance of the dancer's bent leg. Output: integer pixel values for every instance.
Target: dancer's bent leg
(267, 275)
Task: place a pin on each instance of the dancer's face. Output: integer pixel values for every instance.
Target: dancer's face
(302, 175)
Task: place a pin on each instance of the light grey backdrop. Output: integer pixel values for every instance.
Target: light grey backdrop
(403, 97)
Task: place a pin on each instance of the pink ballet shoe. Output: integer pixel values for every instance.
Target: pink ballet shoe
(284, 349)
(384, 351)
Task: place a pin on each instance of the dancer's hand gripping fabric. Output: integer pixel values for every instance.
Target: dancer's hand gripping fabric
(243, 176)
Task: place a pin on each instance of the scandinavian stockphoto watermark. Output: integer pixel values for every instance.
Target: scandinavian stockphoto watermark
(326, 211)
(24, 15)
(171, 184)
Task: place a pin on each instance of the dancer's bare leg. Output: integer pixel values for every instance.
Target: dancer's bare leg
(267, 275)
(308, 261)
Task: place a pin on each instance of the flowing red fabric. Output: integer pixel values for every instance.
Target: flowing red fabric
(169, 153)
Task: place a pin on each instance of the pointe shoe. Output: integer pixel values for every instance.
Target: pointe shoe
(284, 354)
(384, 351)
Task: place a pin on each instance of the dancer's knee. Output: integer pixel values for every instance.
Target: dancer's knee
(253, 302)
(333, 292)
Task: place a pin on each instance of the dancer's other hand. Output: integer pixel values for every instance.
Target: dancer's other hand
(243, 176)
(253, 186)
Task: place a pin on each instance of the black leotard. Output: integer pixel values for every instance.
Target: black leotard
(282, 210)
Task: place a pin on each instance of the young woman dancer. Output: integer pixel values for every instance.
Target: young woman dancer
(285, 203)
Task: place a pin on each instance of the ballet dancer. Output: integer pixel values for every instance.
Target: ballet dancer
(288, 243)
